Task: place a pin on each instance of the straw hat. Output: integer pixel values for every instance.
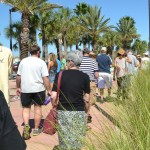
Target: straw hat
(121, 51)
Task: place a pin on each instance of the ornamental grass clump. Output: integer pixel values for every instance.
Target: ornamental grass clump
(133, 131)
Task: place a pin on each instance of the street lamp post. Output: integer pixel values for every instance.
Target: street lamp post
(149, 25)
(10, 22)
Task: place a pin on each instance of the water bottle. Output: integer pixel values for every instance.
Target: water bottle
(47, 100)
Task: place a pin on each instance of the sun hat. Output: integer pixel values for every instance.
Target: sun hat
(121, 51)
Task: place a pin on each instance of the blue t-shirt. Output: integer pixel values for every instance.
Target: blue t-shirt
(104, 63)
(58, 65)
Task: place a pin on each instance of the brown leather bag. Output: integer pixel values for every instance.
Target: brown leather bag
(50, 122)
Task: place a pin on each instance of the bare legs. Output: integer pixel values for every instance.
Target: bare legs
(37, 115)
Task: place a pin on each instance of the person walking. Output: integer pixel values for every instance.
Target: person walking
(121, 71)
(52, 68)
(105, 78)
(10, 138)
(5, 70)
(89, 66)
(71, 115)
(145, 61)
(32, 76)
(133, 64)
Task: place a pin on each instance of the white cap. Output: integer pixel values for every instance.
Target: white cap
(146, 53)
(104, 49)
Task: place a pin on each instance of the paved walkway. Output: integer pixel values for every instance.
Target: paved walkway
(43, 141)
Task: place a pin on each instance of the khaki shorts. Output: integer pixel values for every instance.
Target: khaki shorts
(93, 93)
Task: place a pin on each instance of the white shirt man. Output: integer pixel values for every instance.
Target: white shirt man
(31, 78)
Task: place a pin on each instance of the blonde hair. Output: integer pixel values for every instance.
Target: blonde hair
(52, 57)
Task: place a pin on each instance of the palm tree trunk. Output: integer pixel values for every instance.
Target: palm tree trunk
(65, 45)
(19, 43)
(24, 36)
(43, 44)
(95, 45)
(46, 52)
(60, 45)
(77, 47)
(57, 46)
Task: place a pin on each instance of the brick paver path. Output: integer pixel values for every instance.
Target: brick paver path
(43, 141)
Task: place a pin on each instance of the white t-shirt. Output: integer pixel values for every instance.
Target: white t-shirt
(31, 70)
(145, 62)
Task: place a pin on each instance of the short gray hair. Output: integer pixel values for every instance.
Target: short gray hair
(76, 57)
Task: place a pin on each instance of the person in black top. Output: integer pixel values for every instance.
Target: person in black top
(74, 91)
(10, 138)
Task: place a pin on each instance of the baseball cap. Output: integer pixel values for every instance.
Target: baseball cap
(103, 49)
(146, 53)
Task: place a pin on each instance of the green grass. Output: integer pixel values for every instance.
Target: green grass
(134, 118)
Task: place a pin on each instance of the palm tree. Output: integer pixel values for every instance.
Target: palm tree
(34, 24)
(127, 31)
(16, 31)
(140, 46)
(94, 24)
(28, 8)
(46, 31)
(110, 40)
(81, 10)
(63, 25)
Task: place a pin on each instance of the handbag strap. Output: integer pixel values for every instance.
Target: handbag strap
(58, 85)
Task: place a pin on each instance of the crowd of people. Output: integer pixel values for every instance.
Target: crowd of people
(85, 76)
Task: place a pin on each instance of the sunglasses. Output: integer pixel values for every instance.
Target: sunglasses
(120, 54)
(68, 60)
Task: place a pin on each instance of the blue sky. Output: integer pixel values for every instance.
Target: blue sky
(113, 9)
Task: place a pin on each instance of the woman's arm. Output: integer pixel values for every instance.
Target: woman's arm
(49, 65)
(87, 101)
(53, 98)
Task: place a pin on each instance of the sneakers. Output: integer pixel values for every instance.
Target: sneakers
(37, 132)
(89, 119)
(26, 132)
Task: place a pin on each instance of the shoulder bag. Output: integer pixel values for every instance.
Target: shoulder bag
(50, 122)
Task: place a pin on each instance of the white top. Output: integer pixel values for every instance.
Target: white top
(145, 62)
(121, 63)
(31, 70)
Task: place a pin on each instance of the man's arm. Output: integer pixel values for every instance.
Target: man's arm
(96, 74)
(18, 83)
(47, 84)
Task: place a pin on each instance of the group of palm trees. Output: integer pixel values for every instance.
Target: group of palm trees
(84, 25)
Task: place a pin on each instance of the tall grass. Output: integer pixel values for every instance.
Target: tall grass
(134, 118)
